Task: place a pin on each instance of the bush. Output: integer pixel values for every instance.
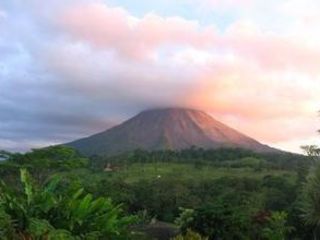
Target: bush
(38, 212)
(190, 235)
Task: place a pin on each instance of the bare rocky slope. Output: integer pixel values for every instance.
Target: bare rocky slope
(169, 128)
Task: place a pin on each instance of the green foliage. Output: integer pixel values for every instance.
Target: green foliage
(201, 157)
(185, 218)
(181, 185)
(55, 157)
(61, 235)
(220, 193)
(279, 192)
(6, 225)
(41, 163)
(310, 201)
(220, 220)
(277, 228)
(252, 162)
(190, 235)
(38, 228)
(39, 212)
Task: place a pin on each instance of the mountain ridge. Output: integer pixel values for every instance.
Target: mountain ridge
(167, 128)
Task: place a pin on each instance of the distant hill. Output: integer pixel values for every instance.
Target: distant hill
(169, 128)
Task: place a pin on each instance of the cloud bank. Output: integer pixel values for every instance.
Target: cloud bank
(72, 68)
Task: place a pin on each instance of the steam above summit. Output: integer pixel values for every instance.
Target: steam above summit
(169, 128)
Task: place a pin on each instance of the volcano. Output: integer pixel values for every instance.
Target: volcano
(168, 128)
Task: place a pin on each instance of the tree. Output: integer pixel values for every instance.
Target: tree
(310, 204)
(221, 221)
(45, 161)
(312, 151)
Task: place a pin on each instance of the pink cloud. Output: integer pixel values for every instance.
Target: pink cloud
(271, 51)
(114, 28)
(138, 38)
(249, 92)
(227, 3)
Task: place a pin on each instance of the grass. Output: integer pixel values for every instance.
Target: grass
(151, 171)
(174, 171)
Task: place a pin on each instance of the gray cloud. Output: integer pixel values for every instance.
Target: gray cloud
(55, 90)
(35, 108)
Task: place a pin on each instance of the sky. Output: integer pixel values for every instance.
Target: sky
(71, 68)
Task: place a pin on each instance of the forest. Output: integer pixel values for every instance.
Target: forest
(56, 193)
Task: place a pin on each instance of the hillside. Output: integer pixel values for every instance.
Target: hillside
(169, 128)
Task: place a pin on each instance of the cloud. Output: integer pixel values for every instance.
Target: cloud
(72, 68)
(138, 38)
(114, 28)
(227, 3)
